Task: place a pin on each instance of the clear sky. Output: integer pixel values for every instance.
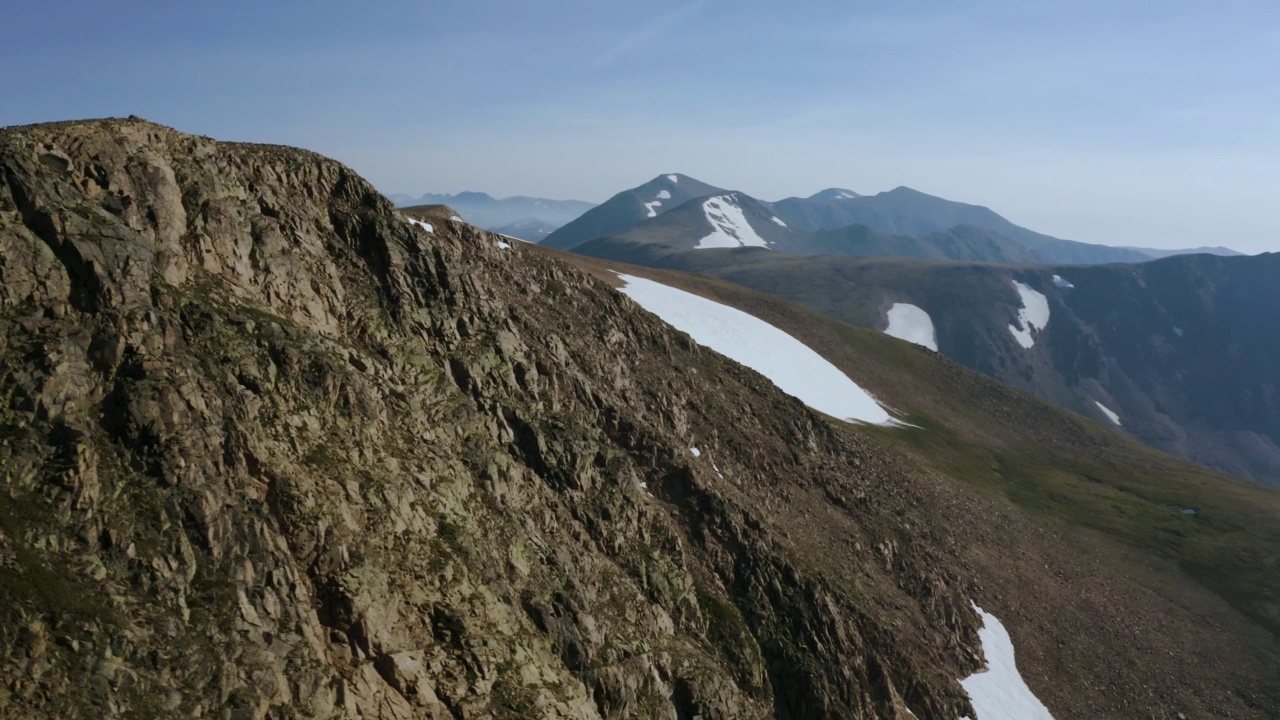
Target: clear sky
(1151, 123)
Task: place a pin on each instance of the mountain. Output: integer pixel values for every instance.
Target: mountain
(1179, 349)
(834, 194)
(910, 212)
(735, 219)
(726, 219)
(911, 217)
(821, 211)
(695, 226)
(485, 211)
(533, 231)
(272, 448)
(1159, 253)
(629, 208)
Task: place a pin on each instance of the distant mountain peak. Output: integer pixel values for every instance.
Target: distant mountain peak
(670, 179)
(835, 194)
(627, 208)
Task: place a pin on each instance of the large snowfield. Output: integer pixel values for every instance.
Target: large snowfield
(911, 323)
(729, 226)
(1034, 315)
(790, 364)
(999, 692)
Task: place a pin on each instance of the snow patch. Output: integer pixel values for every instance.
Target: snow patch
(455, 218)
(847, 196)
(696, 452)
(503, 246)
(729, 225)
(673, 178)
(419, 223)
(1111, 414)
(1034, 315)
(998, 692)
(652, 207)
(790, 364)
(664, 195)
(1058, 281)
(778, 220)
(910, 323)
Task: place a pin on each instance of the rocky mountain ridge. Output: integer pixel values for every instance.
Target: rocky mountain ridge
(345, 466)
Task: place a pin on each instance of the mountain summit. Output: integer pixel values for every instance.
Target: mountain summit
(630, 207)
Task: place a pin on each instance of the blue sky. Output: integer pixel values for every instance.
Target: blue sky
(1124, 122)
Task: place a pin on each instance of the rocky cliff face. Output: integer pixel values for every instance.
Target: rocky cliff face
(268, 449)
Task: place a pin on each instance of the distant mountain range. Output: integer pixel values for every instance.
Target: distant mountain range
(528, 218)
(1175, 351)
(672, 210)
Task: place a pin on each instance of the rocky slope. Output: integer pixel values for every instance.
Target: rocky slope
(269, 449)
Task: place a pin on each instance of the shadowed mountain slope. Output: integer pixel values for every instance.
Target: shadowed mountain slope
(1180, 348)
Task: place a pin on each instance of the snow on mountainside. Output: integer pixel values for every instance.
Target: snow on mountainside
(1111, 414)
(998, 691)
(629, 208)
(652, 205)
(791, 365)
(834, 194)
(730, 227)
(1034, 315)
(911, 323)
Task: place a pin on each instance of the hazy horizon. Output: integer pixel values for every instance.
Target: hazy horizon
(1125, 123)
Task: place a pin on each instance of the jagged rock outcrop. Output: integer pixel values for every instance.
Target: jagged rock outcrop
(269, 450)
